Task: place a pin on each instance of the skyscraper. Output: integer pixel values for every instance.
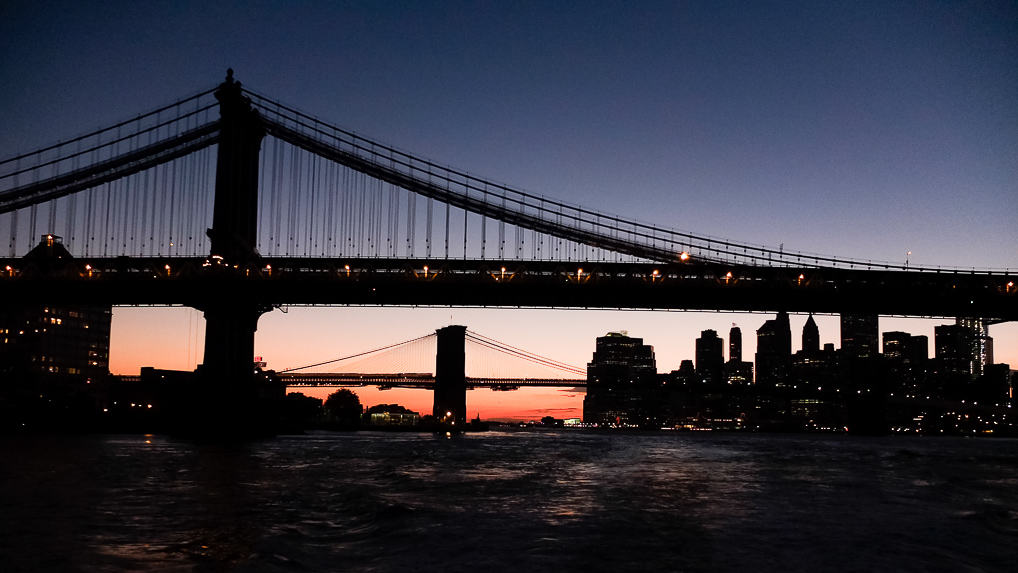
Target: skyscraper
(810, 336)
(980, 345)
(919, 349)
(859, 335)
(735, 344)
(952, 348)
(709, 357)
(897, 346)
(774, 350)
(621, 379)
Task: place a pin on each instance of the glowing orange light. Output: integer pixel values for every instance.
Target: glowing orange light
(684, 256)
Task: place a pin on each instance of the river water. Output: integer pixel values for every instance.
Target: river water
(510, 501)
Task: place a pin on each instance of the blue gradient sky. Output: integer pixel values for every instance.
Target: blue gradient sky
(861, 129)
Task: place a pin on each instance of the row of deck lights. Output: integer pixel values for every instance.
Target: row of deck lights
(1008, 288)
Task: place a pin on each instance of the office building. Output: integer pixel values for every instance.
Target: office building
(859, 335)
(709, 357)
(621, 381)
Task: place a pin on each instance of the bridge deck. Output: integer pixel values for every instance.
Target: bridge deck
(455, 282)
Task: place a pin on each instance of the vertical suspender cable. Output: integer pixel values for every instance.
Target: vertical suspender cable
(13, 247)
(484, 225)
(395, 193)
(291, 200)
(501, 231)
(370, 212)
(427, 240)
(380, 198)
(34, 208)
(411, 204)
(447, 230)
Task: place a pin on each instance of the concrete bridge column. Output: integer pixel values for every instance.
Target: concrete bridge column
(450, 377)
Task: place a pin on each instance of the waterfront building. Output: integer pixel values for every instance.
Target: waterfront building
(621, 381)
(391, 415)
(51, 355)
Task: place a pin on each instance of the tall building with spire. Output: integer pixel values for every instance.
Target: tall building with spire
(810, 336)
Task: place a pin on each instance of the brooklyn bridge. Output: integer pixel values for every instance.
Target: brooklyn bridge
(233, 203)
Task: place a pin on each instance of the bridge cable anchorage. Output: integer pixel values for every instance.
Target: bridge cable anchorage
(365, 353)
(524, 354)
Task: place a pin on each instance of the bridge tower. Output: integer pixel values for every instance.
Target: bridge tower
(450, 376)
(230, 319)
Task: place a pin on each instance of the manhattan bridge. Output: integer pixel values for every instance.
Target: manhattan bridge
(233, 203)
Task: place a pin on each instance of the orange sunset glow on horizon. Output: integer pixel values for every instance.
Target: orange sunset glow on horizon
(173, 338)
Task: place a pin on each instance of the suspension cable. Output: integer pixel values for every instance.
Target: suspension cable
(405, 342)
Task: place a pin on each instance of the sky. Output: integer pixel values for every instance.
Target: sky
(859, 129)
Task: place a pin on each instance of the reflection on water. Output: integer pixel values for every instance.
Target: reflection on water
(509, 501)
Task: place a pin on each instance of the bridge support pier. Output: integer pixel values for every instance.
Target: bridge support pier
(450, 377)
(230, 397)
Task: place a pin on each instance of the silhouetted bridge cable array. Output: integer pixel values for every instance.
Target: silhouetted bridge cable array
(325, 192)
(411, 363)
(233, 203)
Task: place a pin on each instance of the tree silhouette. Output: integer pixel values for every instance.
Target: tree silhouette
(344, 408)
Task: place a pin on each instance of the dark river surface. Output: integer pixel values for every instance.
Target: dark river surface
(510, 501)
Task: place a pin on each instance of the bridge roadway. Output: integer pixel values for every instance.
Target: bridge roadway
(419, 380)
(690, 285)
